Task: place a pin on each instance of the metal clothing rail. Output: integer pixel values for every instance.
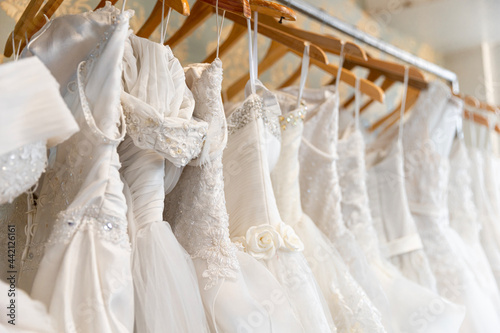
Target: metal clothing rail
(319, 15)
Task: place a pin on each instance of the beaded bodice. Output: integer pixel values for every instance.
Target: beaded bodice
(196, 206)
(82, 188)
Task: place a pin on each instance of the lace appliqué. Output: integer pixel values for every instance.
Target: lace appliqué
(109, 228)
(20, 169)
(176, 140)
(253, 109)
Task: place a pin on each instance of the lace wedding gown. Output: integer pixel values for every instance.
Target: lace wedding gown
(320, 188)
(84, 274)
(487, 220)
(350, 307)
(465, 220)
(406, 298)
(235, 287)
(254, 221)
(427, 142)
(27, 130)
(158, 108)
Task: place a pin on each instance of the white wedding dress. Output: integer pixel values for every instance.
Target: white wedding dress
(487, 219)
(396, 229)
(428, 138)
(406, 298)
(320, 188)
(465, 220)
(235, 287)
(79, 259)
(27, 129)
(254, 221)
(349, 305)
(160, 131)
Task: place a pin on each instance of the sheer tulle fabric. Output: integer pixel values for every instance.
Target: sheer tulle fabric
(254, 220)
(163, 273)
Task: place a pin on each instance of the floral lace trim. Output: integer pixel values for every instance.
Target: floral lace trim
(20, 169)
(178, 142)
(263, 241)
(109, 228)
(253, 109)
(220, 254)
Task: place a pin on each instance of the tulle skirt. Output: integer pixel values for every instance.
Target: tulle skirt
(252, 301)
(167, 297)
(349, 305)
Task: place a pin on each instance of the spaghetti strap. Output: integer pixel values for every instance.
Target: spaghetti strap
(403, 105)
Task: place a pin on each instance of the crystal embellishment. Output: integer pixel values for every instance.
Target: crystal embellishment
(253, 109)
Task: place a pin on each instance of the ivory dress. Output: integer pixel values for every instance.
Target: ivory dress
(79, 259)
(160, 131)
(349, 305)
(254, 221)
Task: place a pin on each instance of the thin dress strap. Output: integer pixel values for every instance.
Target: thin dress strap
(303, 72)
(403, 105)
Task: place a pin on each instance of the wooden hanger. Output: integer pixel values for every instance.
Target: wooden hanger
(275, 52)
(240, 7)
(264, 7)
(347, 76)
(366, 87)
(394, 116)
(386, 84)
(33, 19)
(353, 54)
(25, 23)
(327, 43)
(372, 76)
(202, 12)
(154, 19)
(273, 9)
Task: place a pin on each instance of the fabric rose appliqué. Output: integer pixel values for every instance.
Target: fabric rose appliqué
(291, 241)
(262, 241)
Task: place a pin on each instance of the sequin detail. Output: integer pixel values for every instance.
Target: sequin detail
(20, 169)
(253, 109)
(107, 227)
(292, 118)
